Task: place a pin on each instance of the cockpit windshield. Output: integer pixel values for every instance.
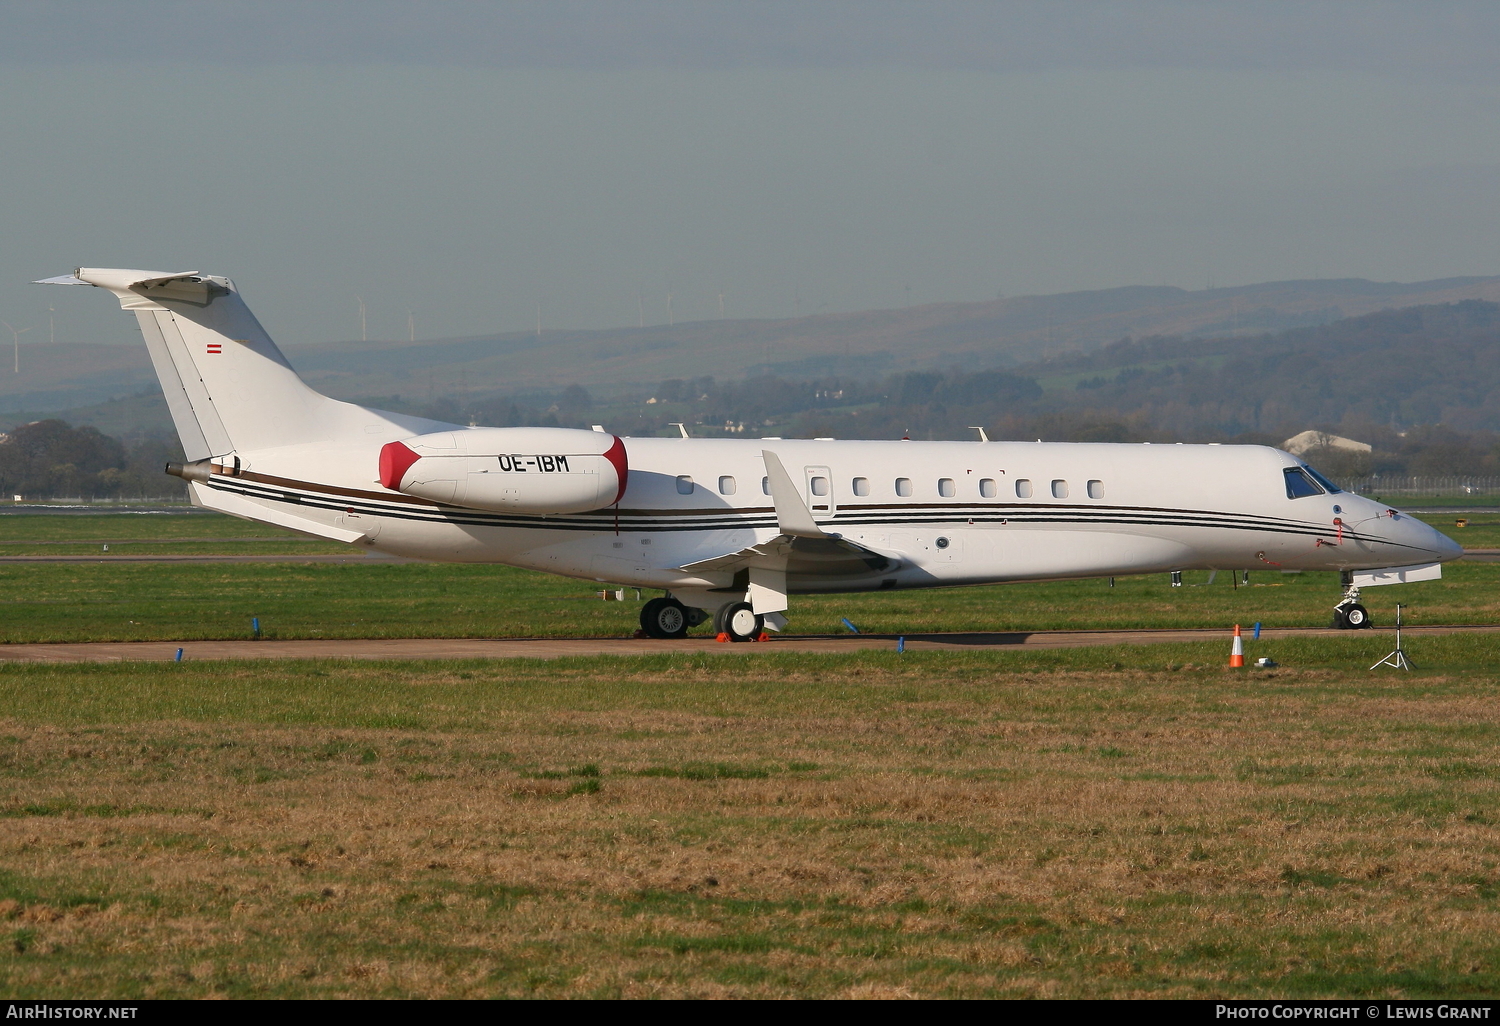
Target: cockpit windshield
(1328, 486)
(1299, 485)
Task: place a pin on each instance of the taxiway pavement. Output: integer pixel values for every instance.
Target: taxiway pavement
(558, 648)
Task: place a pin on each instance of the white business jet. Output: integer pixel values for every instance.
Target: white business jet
(731, 528)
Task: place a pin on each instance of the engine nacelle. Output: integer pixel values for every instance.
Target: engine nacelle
(511, 470)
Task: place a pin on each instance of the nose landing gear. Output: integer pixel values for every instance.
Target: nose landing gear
(1349, 615)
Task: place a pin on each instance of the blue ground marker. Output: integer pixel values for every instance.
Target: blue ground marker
(845, 621)
(255, 625)
(1257, 630)
(179, 656)
(900, 644)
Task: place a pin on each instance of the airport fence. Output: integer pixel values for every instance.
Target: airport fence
(1421, 487)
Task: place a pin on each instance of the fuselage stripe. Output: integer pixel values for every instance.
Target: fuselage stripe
(675, 521)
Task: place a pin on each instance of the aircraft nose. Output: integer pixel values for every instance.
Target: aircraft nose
(1439, 544)
(1447, 547)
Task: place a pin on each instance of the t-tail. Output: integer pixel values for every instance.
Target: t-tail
(261, 444)
(227, 385)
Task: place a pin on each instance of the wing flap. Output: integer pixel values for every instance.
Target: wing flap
(824, 556)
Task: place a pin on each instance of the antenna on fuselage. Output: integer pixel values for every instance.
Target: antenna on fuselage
(982, 436)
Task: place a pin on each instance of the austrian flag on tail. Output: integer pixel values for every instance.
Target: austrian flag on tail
(215, 347)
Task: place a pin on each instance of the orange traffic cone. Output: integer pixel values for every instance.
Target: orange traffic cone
(1237, 650)
(721, 637)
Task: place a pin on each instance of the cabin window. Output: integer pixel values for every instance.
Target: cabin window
(987, 488)
(861, 486)
(1023, 489)
(1096, 489)
(945, 487)
(765, 486)
(820, 486)
(684, 485)
(1059, 489)
(1299, 485)
(726, 486)
(903, 486)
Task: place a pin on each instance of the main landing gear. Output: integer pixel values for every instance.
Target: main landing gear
(738, 620)
(668, 618)
(1349, 615)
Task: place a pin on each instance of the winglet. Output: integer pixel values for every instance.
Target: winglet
(792, 514)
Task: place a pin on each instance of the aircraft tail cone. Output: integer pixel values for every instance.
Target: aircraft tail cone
(1237, 650)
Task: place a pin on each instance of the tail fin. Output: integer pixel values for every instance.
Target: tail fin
(229, 388)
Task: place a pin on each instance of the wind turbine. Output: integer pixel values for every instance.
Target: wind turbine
(16, 337)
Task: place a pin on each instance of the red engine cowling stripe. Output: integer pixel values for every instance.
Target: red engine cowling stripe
(395, 460)
(616, 455)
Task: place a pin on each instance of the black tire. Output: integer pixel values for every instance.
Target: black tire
(719, 615)
(739, 621)
(664, 618)
(1339, 623)
(1356, 617)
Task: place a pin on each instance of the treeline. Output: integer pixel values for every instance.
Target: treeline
(1421, 385)
(937, 406)
(53, 459)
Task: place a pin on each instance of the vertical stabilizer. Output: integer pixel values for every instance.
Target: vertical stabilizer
(228, 386)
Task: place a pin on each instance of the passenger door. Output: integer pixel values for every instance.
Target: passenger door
(817, 489)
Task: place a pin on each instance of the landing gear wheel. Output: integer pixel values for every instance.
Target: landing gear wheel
(664, 618)
(739, 621)
(1353, 617)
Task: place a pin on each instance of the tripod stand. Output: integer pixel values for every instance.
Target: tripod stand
(1396, 659)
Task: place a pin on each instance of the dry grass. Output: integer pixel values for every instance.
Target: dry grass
(871, 827)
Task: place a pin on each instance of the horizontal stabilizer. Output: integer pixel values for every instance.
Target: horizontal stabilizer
(239, 506)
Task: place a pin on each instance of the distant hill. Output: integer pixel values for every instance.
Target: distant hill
(71, 378)
(1436, 364)
(1421, 384)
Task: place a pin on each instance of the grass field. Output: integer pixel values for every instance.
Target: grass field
(156, 534)
(1089, 823)
(107, 601)
(145, 601)
(1126, 821)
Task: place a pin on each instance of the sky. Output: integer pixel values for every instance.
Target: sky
(467, 168)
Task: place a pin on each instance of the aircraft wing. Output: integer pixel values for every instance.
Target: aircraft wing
(803, 548)
(827, 556)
